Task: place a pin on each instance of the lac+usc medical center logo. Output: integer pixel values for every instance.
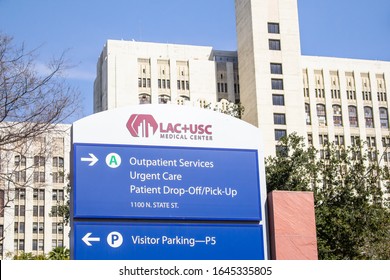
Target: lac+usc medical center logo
(146, 126)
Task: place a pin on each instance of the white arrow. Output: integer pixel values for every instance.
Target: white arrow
(87, 238)
(93, 159)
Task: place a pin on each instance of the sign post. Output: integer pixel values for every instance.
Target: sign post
(152, 184)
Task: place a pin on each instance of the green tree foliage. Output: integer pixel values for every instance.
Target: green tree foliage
(29, 256)
(350, 189)
(59, 253)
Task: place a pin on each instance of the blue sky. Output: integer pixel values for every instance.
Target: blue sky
(337, 28)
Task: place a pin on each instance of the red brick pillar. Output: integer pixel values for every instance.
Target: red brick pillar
(292, 228)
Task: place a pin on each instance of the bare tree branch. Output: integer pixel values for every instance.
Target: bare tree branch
(39, 102)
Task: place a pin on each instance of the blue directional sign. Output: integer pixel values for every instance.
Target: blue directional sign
(140, 241)
(151, 182)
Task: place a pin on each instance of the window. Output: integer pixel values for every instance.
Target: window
(20, 176)
(320, 92)
(35, 211)
(384, 118)
(58, 177)
(41, 211)
(366, 95)
(35, 245)
(144, 98)
(371, 143)
(277, 84)
(274, 44)
(164, 99)
(39, 177)
(58, 162)
(368, 117)
(20, 193)
(351, 94)
(39, 161)
(339, 140)
(321, 114)
(307, 113)
(382, 96)
(20, 210)
(21, 227)
(54, 211)
(54, 228)
(21, 245)
(355, 140)
(353, 118)
(222, 87)
(337, 116)
(20, 161)
(61, 195)
(335, 93)
(276, 68)
(40, 245)
(278, 99)
(279, 133)
(306, 92)
(41, 195)
(279, 118)
(310, 139)
(54, 195)
(41, 228)
(35, 227)
(385, 142)
(323, 139)
(273, 27)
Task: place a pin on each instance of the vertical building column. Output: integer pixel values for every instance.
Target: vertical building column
(344, 107)
(153, 80)
(375, 107)
(173, 71)
(328, 104)
(230, 81)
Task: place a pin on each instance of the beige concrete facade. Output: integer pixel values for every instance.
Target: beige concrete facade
(268, 35)
(281, 91)
(37, 176)
(131, 73)
(354, 94)
(320, 108)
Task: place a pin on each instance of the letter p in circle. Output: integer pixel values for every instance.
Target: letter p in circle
(114, 239)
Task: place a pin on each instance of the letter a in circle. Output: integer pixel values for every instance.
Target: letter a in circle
(113, 160)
